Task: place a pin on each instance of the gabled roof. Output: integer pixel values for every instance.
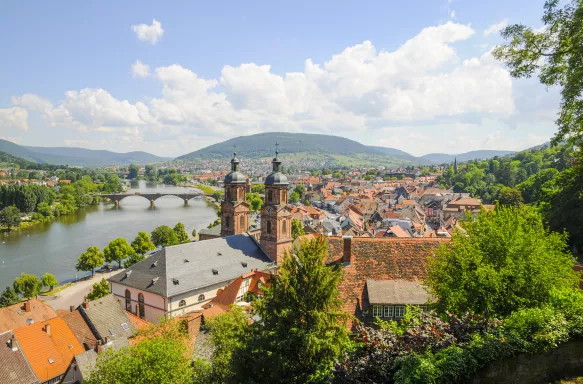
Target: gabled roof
(107, 318)
(14, 368)
(465, 201)
(14, 316)
(80, 328)
(186, 267)
(40, 348)
(396, 292)
(397, 231)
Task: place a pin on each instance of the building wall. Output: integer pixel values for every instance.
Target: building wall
(191, 298)
(154, 305)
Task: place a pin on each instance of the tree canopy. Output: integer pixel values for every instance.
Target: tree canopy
(297, 228)
(27, 285)
(164, 236)
(143, 244)
(48, 280)
(503, 261)
(99, 290)
(8, 297)
(90, 259)
(10, 217)
(118, 250)
(181, 233)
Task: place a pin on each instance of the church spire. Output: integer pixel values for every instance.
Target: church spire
(234, 160)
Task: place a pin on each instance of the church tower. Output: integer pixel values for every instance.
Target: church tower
(234, 207)
(275, 219)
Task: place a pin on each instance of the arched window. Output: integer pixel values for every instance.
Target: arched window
(182, 303)
(242, 223)
(142, 313)
(284, 228)
(227, 221)
(200, 297)
(268, 226)
(128, 300)
(270, 195)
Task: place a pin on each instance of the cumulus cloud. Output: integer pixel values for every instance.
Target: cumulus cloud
(13, 118)
(495, 28)
(149, 33)
(140, 69)
(32, 102)
(422, 92)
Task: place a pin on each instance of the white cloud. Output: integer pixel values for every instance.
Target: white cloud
(13, 118)
(420, 95)
(140, 69)
(452, 14)
(150, 33)
(495, 28)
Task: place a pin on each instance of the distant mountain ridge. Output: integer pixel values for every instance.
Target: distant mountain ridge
(77, 156)
(440, 158)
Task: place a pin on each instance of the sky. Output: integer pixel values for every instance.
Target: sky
(170, 77)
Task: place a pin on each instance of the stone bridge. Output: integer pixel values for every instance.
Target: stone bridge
(117, 197)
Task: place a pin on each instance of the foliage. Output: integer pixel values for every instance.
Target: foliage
(27, 285)
(99, 290)
(255, 201)
(307, 202)
(10, 217)
(535, 330)
(294, 197)
(117, 250)
(258, 188)
(90, 259)
(228, 333)
(142, 244)
(300, 189)
(8, 297)
(44, 209)
(302, 330)
(297, 228)
(554, 52)
(193, 233)
(164, 236)
(506, 260)
(133, 259)
(133, 171)
(510, 196)
(160, 359)
(48, 280)
(392, 347)
(218, 194)
(25, 197)
(181, 233)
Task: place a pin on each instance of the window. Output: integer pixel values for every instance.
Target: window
(270, 196)
(125, 326)
(268, 226)
(377, 310)
(182, 303)
(243, 289)
(128, 300)
(242, 223)
(389, 311)
(142, 312)
(284, 228)
(399, 310)
(200, 297)
(227, 221)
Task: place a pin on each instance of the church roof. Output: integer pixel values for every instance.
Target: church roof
(186, 267)
(235, 177)
(276, 178)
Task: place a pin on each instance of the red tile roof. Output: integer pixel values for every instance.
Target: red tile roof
(15, 316)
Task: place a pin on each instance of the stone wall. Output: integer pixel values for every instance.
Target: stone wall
(562, 362)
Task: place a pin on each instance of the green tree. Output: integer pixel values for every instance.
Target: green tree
(8, 297)
(133, 171)
(44, 209)
(48, 280)
(256, 204)
(181, 233)
(510, 196)
(164, 236)
(158, 359)
(194, 233)
(90, 259)
(307, 202)
(99, 290)
(505, 260)
(228, 334)
(301, 190)
(294, 197)
(10, 217)
(27, 285)
(555, 53)
(218, 194)
(302, 329)
(297, 229)
(133, 259)
(117, 250)
(258, 188)
(142, 244)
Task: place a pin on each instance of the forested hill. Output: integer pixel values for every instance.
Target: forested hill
(547, 178)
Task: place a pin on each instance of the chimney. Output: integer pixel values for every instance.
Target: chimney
(347, 249)
(48, 329)
(85, 305)
(27, 306)
(71, 308)
(99, 347)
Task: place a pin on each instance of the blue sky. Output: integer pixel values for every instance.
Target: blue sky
(413, 75)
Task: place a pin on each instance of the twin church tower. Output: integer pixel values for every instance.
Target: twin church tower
(275, 219)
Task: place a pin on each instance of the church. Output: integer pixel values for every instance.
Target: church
(183, 278)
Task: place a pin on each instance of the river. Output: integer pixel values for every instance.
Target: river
(55, 246)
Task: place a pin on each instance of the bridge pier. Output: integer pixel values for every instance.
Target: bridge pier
(117, 203)
(152, 204)
(185, 202)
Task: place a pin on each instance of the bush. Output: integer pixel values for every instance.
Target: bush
(536, 330)
(456, 364)
(416, 369)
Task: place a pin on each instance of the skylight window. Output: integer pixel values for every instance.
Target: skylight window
(51, 361)
(125, 326)
(112, 332)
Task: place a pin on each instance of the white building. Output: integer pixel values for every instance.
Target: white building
(181, 278)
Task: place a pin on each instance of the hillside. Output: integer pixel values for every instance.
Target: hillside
(298, 146)
(396, 153)
(439, 158)
(76, 156)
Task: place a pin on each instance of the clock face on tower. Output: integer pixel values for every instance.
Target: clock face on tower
(268, 210)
